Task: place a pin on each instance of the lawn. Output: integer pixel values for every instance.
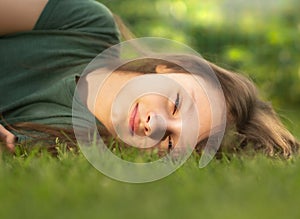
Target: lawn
(37, 185)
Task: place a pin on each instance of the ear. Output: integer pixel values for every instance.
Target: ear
(161, 69)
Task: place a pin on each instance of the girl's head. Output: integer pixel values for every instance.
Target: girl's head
(175, 100)
(153, 102)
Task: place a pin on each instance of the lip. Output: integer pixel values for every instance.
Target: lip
(133, 120)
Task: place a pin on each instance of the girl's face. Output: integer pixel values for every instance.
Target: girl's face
(168, 111)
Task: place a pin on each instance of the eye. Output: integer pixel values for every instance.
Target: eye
(176, 104)
(170, 144)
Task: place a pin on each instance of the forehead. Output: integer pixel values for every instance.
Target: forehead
(189, 82)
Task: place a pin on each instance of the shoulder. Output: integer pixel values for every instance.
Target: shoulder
(75, 14)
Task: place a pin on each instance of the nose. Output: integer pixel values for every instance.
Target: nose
(157, 125)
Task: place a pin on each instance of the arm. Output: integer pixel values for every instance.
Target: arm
(19, 15)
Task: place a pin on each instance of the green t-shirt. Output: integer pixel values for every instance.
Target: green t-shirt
(38, 67)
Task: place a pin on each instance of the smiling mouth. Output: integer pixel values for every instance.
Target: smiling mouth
(133, 119)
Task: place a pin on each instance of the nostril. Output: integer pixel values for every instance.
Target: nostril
(146, 129)
(148, 118)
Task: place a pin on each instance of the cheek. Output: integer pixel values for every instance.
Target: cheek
(155, 103)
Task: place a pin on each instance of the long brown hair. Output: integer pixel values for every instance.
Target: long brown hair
(252, 118)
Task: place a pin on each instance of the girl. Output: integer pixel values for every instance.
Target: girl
(46, 46)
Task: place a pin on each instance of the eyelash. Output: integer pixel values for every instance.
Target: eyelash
(170, 144)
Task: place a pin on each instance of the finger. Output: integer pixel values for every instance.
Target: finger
(8, 138)
(10, 143)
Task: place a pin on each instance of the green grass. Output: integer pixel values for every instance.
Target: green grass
(36, 185)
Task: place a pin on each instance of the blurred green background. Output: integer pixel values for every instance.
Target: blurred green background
(258, 38)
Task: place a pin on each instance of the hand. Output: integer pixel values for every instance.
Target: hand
(8, 138)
